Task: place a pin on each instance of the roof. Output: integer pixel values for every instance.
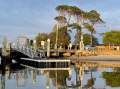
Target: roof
(108, 45)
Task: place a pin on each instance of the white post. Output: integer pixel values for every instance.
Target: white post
(43, 44)
(81, 43)
(34, 44)
(48, 48)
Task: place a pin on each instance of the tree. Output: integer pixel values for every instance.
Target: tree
(87, 39)
(41, 37)
(78, 33)
(66, 11)
(74, 13)
(76, 16)
(91, 30)
(63, 37)
(61, 20)
(5, 42)
(62, 9)
(111, 37)
(93, 17)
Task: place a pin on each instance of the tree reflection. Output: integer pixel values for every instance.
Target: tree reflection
(6, 71)
(112, 78)
(91, 81)
(76, 82)
(59, 77)
(88, 68)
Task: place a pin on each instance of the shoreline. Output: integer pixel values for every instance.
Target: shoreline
(96, 58)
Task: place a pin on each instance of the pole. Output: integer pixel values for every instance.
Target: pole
(48, 48)
(81, 42)
(56, 43)
(34, 44)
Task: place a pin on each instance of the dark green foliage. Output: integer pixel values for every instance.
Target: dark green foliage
(112, 37)
(94, 17)
(41, 37)
(61, 19)
(63, 37)
(77, 37)
(75, 26)
(86, 39)
(112, 78)
(90, 82)
(78, 33)
(90, 28)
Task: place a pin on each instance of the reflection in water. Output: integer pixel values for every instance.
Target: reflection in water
(82, 75)
(58, 78)
(2, 82)
(6, 71)
(79, 74)
(112, 78)
(21, 77)
(81, 69)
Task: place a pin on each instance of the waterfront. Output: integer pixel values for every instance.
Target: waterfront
(85, 75)
(59, 44)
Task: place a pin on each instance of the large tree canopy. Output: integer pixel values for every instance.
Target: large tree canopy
(76, 18)
(111, 37)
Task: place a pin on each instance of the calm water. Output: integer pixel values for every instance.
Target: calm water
(85, 75)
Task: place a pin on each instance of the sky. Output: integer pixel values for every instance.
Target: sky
(29, 17)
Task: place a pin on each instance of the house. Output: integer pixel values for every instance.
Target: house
(108, 47)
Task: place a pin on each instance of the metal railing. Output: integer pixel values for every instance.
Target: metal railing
(29, 51)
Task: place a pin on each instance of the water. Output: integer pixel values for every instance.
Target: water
(85, 75)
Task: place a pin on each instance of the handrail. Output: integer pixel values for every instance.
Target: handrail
(28, 51)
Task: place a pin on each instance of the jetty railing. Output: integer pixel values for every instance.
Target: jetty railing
(29, 51)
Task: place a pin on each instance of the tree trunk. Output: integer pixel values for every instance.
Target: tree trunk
(91, 39)
(69, 20)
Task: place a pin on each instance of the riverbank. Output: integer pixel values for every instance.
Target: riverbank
(96, 58)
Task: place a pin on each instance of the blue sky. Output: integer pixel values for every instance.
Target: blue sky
(28, 17)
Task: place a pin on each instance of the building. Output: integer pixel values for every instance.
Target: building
(111, 47)
(108, 49)
(23, 41)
